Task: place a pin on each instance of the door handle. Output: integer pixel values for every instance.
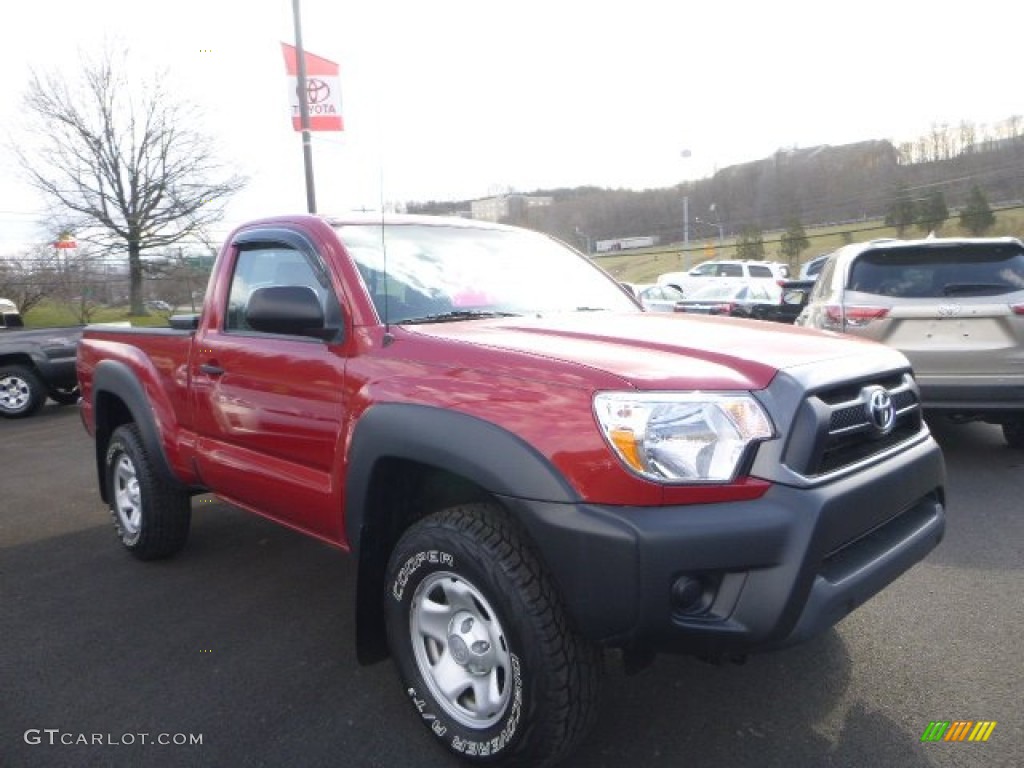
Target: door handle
(211, 370)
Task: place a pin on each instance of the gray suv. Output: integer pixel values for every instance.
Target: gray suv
(954, 307)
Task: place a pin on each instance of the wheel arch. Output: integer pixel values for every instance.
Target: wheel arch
(407, 461)
(19, 358)
(118, 397)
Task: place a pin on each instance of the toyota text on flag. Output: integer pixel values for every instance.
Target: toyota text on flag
(323, 91)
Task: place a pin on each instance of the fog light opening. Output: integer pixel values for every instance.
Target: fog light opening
(693, 593)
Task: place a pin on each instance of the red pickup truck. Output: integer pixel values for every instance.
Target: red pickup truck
(528, 468)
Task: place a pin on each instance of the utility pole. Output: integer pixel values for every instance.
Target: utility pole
(686, 220)
(686, 230)
(307, 145)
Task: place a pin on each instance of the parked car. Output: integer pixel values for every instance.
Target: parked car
(658, 298)
(740, 271)
(35, 364)
(753, 300)
(954, 307)
(9, 315)
(795, 294)
(812, 268)
(159, 306)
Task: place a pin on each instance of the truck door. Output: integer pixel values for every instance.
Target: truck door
(269, 407)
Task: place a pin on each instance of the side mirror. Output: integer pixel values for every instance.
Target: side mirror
(293, 310)
(184, 322)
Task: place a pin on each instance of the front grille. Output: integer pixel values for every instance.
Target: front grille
(833, 428)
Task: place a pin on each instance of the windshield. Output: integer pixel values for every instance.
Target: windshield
(456, 273)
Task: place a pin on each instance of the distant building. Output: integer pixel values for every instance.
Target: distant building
(506, 207)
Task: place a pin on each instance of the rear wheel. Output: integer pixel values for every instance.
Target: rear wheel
(21, 392)
(151, 512)
(1013, 432)
(482, 644)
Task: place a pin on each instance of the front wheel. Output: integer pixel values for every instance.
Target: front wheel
(151, 512)
(482, 644)
(21, 392)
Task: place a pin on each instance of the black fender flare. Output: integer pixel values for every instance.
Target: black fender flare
(32, 357)
(491, 457)
(117, 379)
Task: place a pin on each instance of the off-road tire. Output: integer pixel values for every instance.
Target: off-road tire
(151, 512)
(21, 392)
(1013, 433)
(470, 606)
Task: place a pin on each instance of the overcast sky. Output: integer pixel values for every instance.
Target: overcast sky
(458, 99)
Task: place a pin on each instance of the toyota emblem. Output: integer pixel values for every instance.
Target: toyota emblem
(879, 408)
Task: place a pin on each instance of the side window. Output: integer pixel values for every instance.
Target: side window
(278, 265)
(730, 270)
(823, 284)
(759, 271)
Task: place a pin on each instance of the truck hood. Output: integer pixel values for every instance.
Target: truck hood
(659, 351)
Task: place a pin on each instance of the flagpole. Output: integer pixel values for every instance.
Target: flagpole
(307, 145)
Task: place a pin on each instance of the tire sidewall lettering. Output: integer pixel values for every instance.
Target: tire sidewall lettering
(461, 742)
(456, 737)
(413, 563)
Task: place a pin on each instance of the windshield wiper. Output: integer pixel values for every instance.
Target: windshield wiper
(457, 314)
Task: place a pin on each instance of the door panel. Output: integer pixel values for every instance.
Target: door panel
(269, 407)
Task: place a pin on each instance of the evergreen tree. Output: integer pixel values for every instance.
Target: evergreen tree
(977, 217)
(900, 213)
(794, 242)
(932, 212)
(750, 244)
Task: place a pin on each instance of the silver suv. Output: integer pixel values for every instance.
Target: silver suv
(954, 307)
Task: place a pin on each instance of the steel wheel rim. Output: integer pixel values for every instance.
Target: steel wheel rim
(461, 649)
(14, 393)
(127, 497)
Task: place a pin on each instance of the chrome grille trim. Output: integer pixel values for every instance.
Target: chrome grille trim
(833, 430)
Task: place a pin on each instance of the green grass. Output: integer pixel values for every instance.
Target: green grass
(48, 314)
(644, 266)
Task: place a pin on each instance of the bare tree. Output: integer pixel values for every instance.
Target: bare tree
(79, 282)
(124, 159)
(178, 279)
(968, 136)
(28, 279)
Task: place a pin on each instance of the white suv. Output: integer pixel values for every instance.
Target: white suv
(773, 272)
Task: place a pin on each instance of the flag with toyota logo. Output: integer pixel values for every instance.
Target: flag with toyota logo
(323, 91)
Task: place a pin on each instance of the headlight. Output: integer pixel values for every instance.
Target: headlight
(681, 437)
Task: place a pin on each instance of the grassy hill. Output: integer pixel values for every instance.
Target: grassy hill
(644, 265)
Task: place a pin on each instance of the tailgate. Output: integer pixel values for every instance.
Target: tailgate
(967, 337)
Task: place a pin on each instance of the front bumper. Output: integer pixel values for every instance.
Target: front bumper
(769, 572)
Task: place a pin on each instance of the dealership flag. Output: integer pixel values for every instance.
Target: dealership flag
(323, 91)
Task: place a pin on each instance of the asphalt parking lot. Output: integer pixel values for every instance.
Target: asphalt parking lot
(245, 641)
